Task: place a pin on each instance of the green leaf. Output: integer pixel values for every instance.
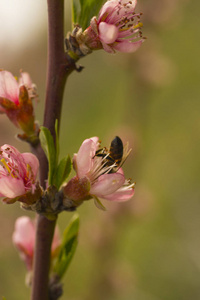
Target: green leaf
(68, 247)
(98, 204)
(57, 141)
(75, 10)
(48, 146)
(62, 172)
(84, 10)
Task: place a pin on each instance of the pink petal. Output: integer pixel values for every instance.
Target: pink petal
(24, 235)
(9, 87)
(107, 184)
(32, 161)
(120, 195)
(84, 156)
(120, 171)
(108, 32)
(126, 46)
(25, 79)
(133, 3)
(107, 8)
(95, 139)
(11, 187)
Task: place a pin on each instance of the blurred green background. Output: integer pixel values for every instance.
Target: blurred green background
(149, 247)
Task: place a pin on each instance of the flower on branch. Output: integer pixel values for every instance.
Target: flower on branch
(98, 174)
(16, 100)
(18, 172)
(117, 28)
(24, 240)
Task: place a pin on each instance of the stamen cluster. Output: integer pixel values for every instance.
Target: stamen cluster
(18, 172)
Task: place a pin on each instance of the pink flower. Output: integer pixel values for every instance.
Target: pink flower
(24, 240)
(26, 80)
(18, 172)
(15, 100)
(97, 176)
(116, 27)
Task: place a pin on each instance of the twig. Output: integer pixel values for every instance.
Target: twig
(57, 71)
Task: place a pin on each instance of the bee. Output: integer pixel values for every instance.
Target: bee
(116, 151)
(113, 156)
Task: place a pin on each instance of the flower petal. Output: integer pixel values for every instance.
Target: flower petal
(122, 194)
(11, 187)
(132, 3)
(32, 161)
(127, 46)
(24, 235)
(107, 8)
(107, 184)
(25, 79)
(9, 87)
(84, 156)
(108, 33)
(95, 139)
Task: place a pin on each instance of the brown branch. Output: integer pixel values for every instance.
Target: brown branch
(57, 73)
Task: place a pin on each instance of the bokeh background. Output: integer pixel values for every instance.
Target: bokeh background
(149, 247)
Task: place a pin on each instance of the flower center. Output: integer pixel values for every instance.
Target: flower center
(7, 168)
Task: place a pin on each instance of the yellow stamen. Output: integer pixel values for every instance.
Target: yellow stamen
(138, 25)
(7, 167)
(28, 167)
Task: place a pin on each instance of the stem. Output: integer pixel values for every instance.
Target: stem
(57, 73)
(45, 231)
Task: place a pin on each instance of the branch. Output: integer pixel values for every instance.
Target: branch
(57, 73)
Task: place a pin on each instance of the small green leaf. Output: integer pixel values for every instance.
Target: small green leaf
(57, 141)
(98, 204)
(48, 146)
(75, 10)
(84, 10)
(62, 172)
(68, 247)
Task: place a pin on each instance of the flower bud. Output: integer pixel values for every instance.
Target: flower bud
(77, 189)
(24, 240)
(16, 101)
